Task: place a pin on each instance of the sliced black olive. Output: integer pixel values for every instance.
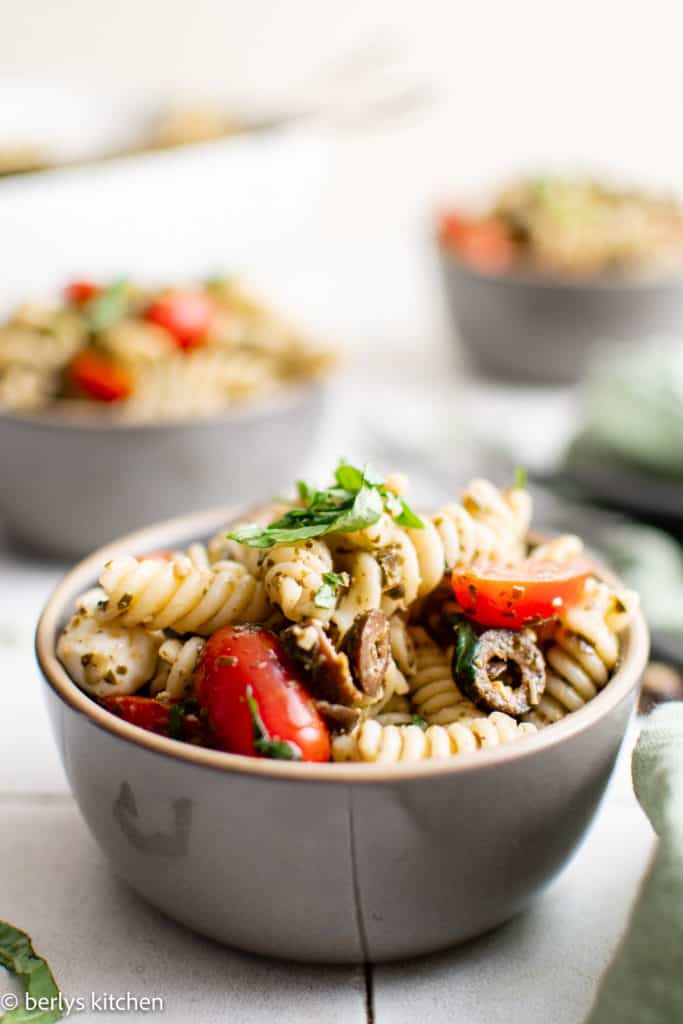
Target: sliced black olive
(368, 646)
(501, 670)
(329, 669)
(338, 717)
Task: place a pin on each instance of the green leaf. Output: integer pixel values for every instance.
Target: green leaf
(419, 721)
(348, 477)
(19, 957)
(277, 750)
(176, 715)
(466, 644)
(408, 518)
(520, 478)
(108, 307)
(356, 500)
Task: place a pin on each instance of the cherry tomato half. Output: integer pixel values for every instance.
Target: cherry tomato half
(100, 378)
(150, 714)
(511, 598)
(249, 685)
(483, 243)
(186, 315)
(80, 292)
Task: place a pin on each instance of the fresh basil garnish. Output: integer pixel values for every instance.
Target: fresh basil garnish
(419, 721)
(18, 956)
(176, 716)
(356, 500)
(278, 750)
(108, 307)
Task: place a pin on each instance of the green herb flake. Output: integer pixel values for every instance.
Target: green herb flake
(18, 956)
(327, 594)
(107, 308)
(419, 721)
(355, 501)
(277, 750)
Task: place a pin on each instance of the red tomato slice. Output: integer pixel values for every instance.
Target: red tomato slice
(100, 378)
(483, 243)
(80, 292)
(502, 598)
(186, 315)
(150, 714)
(245, 664)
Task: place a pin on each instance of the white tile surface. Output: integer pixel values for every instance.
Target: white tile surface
(99, 936)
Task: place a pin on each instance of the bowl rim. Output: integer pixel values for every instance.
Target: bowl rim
(283, 399)
(663, 281)
(178, 532)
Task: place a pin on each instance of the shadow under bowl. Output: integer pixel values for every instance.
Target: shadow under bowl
(69, 486)
(541, 331)
(335, 863)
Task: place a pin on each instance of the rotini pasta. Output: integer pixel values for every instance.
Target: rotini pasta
(389, 744)
(433, 691)
(583, 651)
(177, 662)
(293, 577)
(173, 594)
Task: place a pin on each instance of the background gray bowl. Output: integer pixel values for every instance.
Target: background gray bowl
(534, 330)
(68, 487)
(335, 862)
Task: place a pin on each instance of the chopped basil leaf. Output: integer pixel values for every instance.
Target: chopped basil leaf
(520, 478)
(278, 750)
(419, 721)
(18, 956)
(176, 714)
(108, 307)
(408, 518)
(357, 501)
(328, 591)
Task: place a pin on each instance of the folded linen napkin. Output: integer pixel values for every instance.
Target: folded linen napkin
(644, 983)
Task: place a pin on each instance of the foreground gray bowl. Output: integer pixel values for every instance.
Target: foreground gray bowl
(69, 486)
(329, 863)
(535, 330)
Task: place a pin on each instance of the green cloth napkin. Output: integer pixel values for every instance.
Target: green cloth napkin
(644, 983)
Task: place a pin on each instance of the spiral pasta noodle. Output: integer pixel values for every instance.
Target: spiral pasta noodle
(372, 741)
(176, 595)
(584, 651)
(293, 575)
(177, 662)
(433, 691)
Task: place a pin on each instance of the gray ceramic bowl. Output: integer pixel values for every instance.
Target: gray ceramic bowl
(69, 486)
(535, 330)
(330, 863)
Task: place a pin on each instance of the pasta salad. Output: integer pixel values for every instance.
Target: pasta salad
(142, 355)
(342, 626)
(564, 227)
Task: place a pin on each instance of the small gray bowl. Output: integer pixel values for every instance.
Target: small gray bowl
(536, 330)
(337, 863)
(69, 486)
